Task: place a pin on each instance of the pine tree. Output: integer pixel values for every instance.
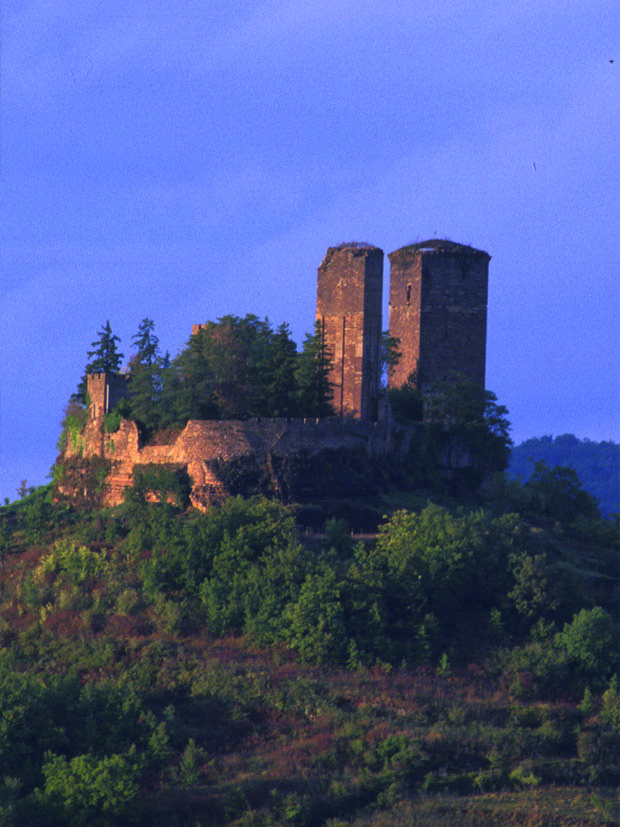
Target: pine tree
(315, 391)
(146, 343)
(104, 358)
(275, 381)
(104, 355)
(146, 371)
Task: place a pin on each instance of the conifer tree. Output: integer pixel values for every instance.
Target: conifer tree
(275, 375)
(146, 370)
(315, 391)
(104, 358)
(146, 343)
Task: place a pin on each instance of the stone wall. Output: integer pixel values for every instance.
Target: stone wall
(266, 448)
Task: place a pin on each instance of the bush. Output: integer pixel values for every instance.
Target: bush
(590, 643)
(159, 483)
(88, 790)
(76, 562)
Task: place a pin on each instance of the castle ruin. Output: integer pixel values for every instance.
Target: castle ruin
(438, 312)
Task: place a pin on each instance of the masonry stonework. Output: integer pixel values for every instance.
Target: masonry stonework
(349, 297)
(105, 391)
(438, 310)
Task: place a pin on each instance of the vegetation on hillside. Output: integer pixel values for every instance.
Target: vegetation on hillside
(162, 666)
(597, 464)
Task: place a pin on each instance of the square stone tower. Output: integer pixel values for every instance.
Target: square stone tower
(438, 310)
(348, 307)
(105, 391)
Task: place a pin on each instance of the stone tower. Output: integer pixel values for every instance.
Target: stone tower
(438, 310)
(105, 391)
(349, 296)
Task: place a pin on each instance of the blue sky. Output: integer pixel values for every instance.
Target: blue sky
(183, 161)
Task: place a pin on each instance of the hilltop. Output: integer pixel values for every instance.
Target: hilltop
(261, 590)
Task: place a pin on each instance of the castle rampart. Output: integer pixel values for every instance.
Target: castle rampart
(203, 447)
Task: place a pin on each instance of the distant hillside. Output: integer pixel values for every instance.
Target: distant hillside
(596, 463)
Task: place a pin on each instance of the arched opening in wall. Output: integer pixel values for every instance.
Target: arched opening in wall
(408, 294)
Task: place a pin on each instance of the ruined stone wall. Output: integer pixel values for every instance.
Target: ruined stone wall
(203, 447)
(438, 309)
(349, 297)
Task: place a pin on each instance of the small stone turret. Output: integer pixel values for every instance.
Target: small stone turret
(105, 391)
(438, 310)
(349, 296)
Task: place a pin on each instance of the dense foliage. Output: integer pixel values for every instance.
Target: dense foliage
(162, 666)
(596, 463)
(235, 368)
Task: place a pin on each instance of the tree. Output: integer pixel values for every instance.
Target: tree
(104, 358)
(234, 368)
(146, 371)
(556, 494)
(596, 464)
(275, 372)
(466, 418)
(91, 790)
(443, 574)
(315, 391)
(390, 354)
(407, 401)
(590, 642)
(146, 343)
(315, 622)
(104, 355)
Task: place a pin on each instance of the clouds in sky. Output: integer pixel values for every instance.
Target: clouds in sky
(187, 161)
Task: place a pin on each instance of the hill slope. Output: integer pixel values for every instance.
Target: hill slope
(165, 667)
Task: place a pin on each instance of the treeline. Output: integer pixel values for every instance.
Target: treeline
(235, 368)
(597, 464)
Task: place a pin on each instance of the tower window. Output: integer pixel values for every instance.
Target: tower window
(408, 294)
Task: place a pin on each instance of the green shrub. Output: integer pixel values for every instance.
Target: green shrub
(162, 483)
(76, 417)
(89, 790)
(590, 643)
(112, 421)
(76, 562)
